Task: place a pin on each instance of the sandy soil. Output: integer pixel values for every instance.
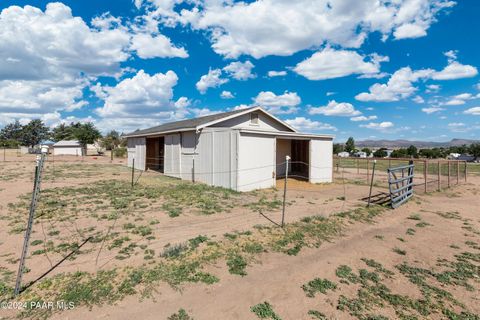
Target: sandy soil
(304, 200)
(277, 278)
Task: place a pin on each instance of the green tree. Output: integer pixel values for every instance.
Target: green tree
(367, 151)
(34, 132)
(12, 131)
(380, 153)
(474, 149)
(337, 148)
(62, 132)
(111, 140)
(350, 145)
(85, 133)
(412, 151)
(399, 153)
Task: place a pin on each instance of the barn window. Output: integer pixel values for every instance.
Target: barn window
(254, 118)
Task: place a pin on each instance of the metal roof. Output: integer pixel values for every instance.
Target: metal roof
(184, 124)
(197, 123)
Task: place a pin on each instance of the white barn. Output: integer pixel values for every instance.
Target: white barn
(241, 150)
(67, 148)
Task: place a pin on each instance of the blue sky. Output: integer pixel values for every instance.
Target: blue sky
(368, 69)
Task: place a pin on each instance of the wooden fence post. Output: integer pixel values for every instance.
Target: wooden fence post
(358, 168)
(465, 171)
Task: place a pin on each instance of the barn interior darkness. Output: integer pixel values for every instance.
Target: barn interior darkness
(298, 150)
(155, 154)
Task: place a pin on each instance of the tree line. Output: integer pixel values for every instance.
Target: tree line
(411, 151)
(34, 132)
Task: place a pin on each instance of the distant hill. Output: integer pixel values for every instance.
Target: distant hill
(391, 144)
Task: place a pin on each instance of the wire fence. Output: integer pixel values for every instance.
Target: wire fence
(351, 179)
(429, 175)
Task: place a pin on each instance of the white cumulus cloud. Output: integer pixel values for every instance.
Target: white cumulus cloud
(283, 27)
(330, 63)
(304, 124)
(363, 118)
(240, 70)
(430, 110)
(334, 108)
(273, 73)
(143, 95)
(227, 95)
(212, 79)
(381, 126)
(399, 86)
(278, 104)
(149, 46)
(473, 111)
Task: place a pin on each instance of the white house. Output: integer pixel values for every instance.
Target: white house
(344, 154)
(360, 154)
(67, 147)
(241, 150)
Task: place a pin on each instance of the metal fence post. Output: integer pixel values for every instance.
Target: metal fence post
(193, 168)
(371, 183)
(438, 174)
(368, 170)
(133, 170)
(458, 172)
(4, 154)
(448, 171)
(287, 158)
(28, 230)
(425, 164)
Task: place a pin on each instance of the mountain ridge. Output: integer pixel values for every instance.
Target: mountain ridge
(402, 143)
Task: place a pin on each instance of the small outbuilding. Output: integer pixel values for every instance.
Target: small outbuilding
(241, 150)
(68, 148)
(344, 154)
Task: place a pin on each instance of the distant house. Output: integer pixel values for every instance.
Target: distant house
(343, 154)
(241, 150)
(454, 156)
(389, 153)
(68, 148)
(360, 154)
(467, 158)
(48, 144)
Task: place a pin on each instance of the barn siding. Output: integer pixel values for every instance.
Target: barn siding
(283, 149)
(256, 162)
(321, 160)
(136, 148)
(243, 122)
(172, 155)
(71, 151)
(216, 159)
(189, 141)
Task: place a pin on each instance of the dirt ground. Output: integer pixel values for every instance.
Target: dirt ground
(428, 232)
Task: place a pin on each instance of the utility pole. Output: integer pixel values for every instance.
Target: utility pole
(33, 205)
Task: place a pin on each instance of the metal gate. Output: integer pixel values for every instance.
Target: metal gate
(400, 184)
